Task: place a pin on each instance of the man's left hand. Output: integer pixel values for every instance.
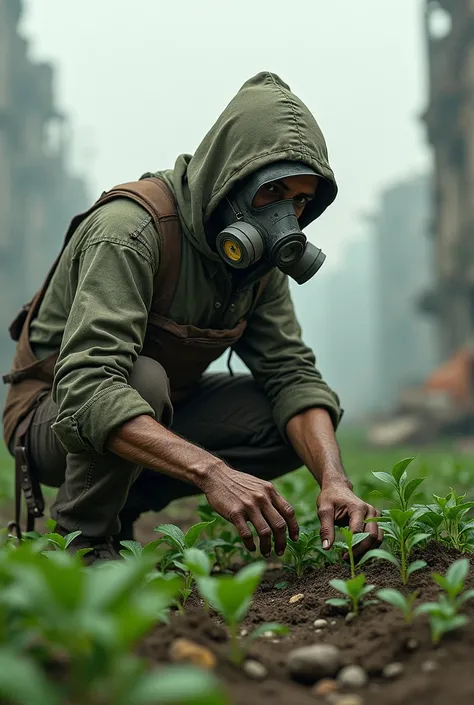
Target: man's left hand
(339, 506)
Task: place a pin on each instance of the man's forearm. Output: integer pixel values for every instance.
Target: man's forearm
(147, 443)
(311, 433)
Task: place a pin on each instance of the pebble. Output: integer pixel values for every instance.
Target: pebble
(296, 598)
(352, 677)
(255, 670)
(318, 631)
(320, 623)
(412, 644)
(350, 616)
(309, 664)
(243, 632)
(186, 651)
(325, 687)
(429, 666)
(393, 670)
(333, 623)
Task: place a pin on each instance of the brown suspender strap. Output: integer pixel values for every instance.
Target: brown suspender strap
(155, 197)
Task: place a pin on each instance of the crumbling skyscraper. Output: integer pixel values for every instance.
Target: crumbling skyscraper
(449, 120)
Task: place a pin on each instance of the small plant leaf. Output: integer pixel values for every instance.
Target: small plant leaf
(378, 553)
(195, 531)
(358, 538)
(172, 534)
(197, 562)
(400, 467)
(340, 586)
(457, 573)
(416, 565)
(337, 602)
(135, 548)
(468, 595)
(23, 682)
(386, 478)
(412, 486)
(176, 685)
(274, 627)
(70, 538)
(281, 586)
(415, 540)
(401, 518)
(57, 540)
(393, 597)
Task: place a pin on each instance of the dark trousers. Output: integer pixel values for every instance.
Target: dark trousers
(100, 493)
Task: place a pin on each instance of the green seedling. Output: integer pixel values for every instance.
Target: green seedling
(224, 548)
(354, 590)
(216, 524)
(406, 605)
(444, 615)
(302, 552)
(90, 618)
(398, 481)
(230, 596)
(457, 532)
(178, 541)
(351, 541)
(61, 543)
(453, 582)
(403, 528)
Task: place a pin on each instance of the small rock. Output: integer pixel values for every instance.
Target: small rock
(296, 598)
(393, 670)
(333, 623)
(318, 631)
(349, 699)
(325, 687)
(352, 677)
(268, 635)
(275, 641)
(186, 651)
(243, 632)
(309, 664)
(350, 616)
(255, 670)
(412, 644)
(320, 623)
(429, 666)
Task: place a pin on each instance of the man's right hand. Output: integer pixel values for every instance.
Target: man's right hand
(238, 497)
(242, 498)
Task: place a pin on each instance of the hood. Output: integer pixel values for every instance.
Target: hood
(264, 123)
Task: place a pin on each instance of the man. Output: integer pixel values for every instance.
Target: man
(109, 400)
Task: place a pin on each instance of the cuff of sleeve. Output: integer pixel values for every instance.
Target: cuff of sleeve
(296, 400)
(90, 426)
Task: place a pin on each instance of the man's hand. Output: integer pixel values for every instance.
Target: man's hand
(242, 498)
(338, 505)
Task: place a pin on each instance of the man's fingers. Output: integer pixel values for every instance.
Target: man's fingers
(326, 517)
(373, 529)
(289, 515)
(242, 527)
(357, 516)
(264, 532)
(278, 526)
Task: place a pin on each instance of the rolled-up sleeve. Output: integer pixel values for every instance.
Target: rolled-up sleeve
(282, 364)
(113, 273)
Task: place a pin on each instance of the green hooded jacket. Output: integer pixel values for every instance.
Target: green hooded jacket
(96, 307)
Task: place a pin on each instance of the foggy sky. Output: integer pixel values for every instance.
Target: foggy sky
(143, 81)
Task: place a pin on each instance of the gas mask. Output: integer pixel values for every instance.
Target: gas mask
(268, 235)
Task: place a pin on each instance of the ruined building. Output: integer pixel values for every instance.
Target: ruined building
(449, 120)
(38, 194)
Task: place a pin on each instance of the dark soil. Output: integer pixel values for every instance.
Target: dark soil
(373, 640)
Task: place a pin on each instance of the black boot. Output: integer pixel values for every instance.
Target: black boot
(101, 547)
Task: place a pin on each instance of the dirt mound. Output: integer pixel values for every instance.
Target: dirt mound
(378, 637)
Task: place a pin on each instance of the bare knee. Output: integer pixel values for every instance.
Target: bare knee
(150, 380)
